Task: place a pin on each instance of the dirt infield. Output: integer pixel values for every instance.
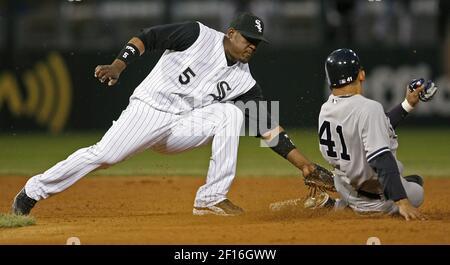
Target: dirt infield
(157, 210)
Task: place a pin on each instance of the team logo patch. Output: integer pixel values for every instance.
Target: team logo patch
(222, 88)
(258, 25)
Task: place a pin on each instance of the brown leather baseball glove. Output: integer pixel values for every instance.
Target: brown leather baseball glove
(321, 179)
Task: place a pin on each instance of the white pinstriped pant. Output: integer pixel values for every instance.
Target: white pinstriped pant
(142, 127)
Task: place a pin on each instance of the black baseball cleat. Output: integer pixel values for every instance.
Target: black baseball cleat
(22, 204)
(415, 178)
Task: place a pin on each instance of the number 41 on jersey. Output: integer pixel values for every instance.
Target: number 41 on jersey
(325, 128)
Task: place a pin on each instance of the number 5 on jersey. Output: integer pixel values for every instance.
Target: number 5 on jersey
(185, 77)
(328, 141)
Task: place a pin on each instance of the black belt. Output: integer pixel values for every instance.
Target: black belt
(369, 195)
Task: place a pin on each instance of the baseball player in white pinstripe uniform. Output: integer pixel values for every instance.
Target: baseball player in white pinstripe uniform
(180, 105)
(358, 139)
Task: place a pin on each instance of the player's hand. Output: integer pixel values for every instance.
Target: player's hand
(412, 96)
(109, 73)
(307, 169)
(408, 211)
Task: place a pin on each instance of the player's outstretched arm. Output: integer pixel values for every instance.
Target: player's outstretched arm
(129, 53)
(301, 162)
(314, 175)
(399, 112)
(417, 90)
(177, 36)
(280, 142)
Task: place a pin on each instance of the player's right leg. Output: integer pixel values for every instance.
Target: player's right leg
(219, 123)
(138, 127)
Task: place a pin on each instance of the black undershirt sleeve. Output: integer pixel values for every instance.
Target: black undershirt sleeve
(389, 176)
(177, 37)
(396, 115)
(254, 117)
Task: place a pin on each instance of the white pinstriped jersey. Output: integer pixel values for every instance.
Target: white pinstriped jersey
(194, 78)
(191, 75)
(353, 131)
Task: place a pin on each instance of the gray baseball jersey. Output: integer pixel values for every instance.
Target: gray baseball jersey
(353, 130)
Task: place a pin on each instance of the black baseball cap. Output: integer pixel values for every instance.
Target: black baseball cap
(250, 26)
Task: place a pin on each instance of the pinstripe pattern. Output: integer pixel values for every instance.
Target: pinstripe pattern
(135, 130)
(221, 123)
(206, 57)
(169, 117)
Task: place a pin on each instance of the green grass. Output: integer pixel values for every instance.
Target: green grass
(12, 220)
(422, 151)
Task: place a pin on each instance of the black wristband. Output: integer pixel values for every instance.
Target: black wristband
(129, 53)
(282, 144)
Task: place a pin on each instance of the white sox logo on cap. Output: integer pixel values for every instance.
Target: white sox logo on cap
(258, 25)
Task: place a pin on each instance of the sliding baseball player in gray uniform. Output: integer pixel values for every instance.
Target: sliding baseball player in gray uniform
(358, 139)
(183, 103)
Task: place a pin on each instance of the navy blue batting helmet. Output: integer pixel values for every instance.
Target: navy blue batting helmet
(342, 67)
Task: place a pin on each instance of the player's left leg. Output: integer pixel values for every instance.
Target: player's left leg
(362, 202)
(138, 128)
(365, 203)
(221, 123)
